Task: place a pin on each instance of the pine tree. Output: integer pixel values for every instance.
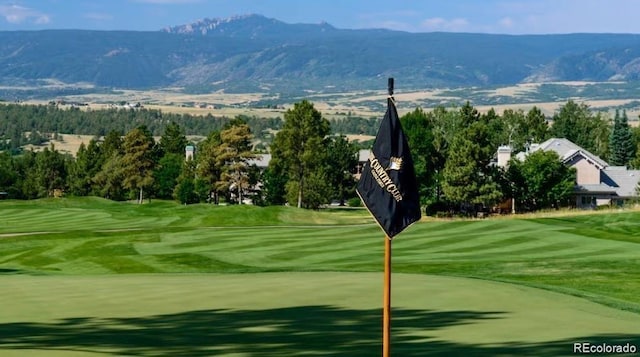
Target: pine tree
(185, 190)
(232, 155)
(621, 149)
(468, 179)
(301, 146)
(576, 123)
(173, 141)
(341, 159)
(207, 168)
(138, 161)
(419, 131)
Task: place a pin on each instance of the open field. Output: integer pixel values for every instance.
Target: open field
(66, 143)
(94, 277)
(601, 96)
(70, 143)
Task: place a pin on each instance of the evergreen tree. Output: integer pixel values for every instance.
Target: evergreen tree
(110, 146)
(109, 180)
(460, 172)
(87, 164)
(468, 178)
(621, 148)
(138, 161)
(341, 160)
(578, 124)
(232, 155)
(300, 147)
(535, 127)
(274, 181)
(173, 141)
(185, 189)
(208, 169)
(51, 172)
(418, 128)
(166, 174)
(8, 175)
(27, 175)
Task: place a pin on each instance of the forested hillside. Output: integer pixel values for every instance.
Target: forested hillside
(257, 54)
(35, 124)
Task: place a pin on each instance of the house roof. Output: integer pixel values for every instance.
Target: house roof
(626, 180)
(616, 180)
(261, 160)
(568, 150)
(594, 189)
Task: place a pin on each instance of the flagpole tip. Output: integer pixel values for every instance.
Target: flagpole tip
(390, 86)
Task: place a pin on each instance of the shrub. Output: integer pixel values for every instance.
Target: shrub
(354, 202)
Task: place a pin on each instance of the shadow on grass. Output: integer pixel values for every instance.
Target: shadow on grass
(305, 330)
(7, 271)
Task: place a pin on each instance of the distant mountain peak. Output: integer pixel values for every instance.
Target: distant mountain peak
(249, 25)
(218, 25)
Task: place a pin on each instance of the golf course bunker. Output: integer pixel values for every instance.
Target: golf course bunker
(326, 313)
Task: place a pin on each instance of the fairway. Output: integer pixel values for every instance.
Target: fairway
(275, 314)
(91, 277)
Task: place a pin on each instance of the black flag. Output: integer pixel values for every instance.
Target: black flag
(388, 184)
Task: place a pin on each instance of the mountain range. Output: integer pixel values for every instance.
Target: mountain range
(253, 53)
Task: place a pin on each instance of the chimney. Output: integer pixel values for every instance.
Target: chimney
(189, 151)
(504, 155)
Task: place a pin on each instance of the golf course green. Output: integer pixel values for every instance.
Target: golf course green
(94, 277)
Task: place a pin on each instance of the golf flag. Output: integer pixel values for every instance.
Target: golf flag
(388, 184)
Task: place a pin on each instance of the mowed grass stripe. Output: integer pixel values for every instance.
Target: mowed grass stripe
(63, 221)
(494, 245)
(302, 244)
(266, 239)
(179, 239)
(294, 238)
(304, 248)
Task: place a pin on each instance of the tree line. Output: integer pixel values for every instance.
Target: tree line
(132, 165)
(453, 150)
(35, 124)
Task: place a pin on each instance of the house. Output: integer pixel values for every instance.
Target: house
(261, 161)
(597, 183)
(363, 157)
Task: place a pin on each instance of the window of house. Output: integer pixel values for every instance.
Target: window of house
(588, 200)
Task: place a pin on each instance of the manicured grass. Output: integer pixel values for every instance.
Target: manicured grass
(297, 314)
(90, 213)
(158, 262)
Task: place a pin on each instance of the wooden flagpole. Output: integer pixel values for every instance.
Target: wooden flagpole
(386, 319)
(386, 299)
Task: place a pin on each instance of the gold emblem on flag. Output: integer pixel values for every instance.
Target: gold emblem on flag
(395, 163)
(382, 177)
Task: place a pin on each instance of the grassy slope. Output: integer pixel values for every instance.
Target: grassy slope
(68, 291)
(593, 256)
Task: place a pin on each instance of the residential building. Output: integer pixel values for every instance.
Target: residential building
(597, 183)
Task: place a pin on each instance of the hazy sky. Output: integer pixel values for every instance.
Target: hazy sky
(487, 16)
